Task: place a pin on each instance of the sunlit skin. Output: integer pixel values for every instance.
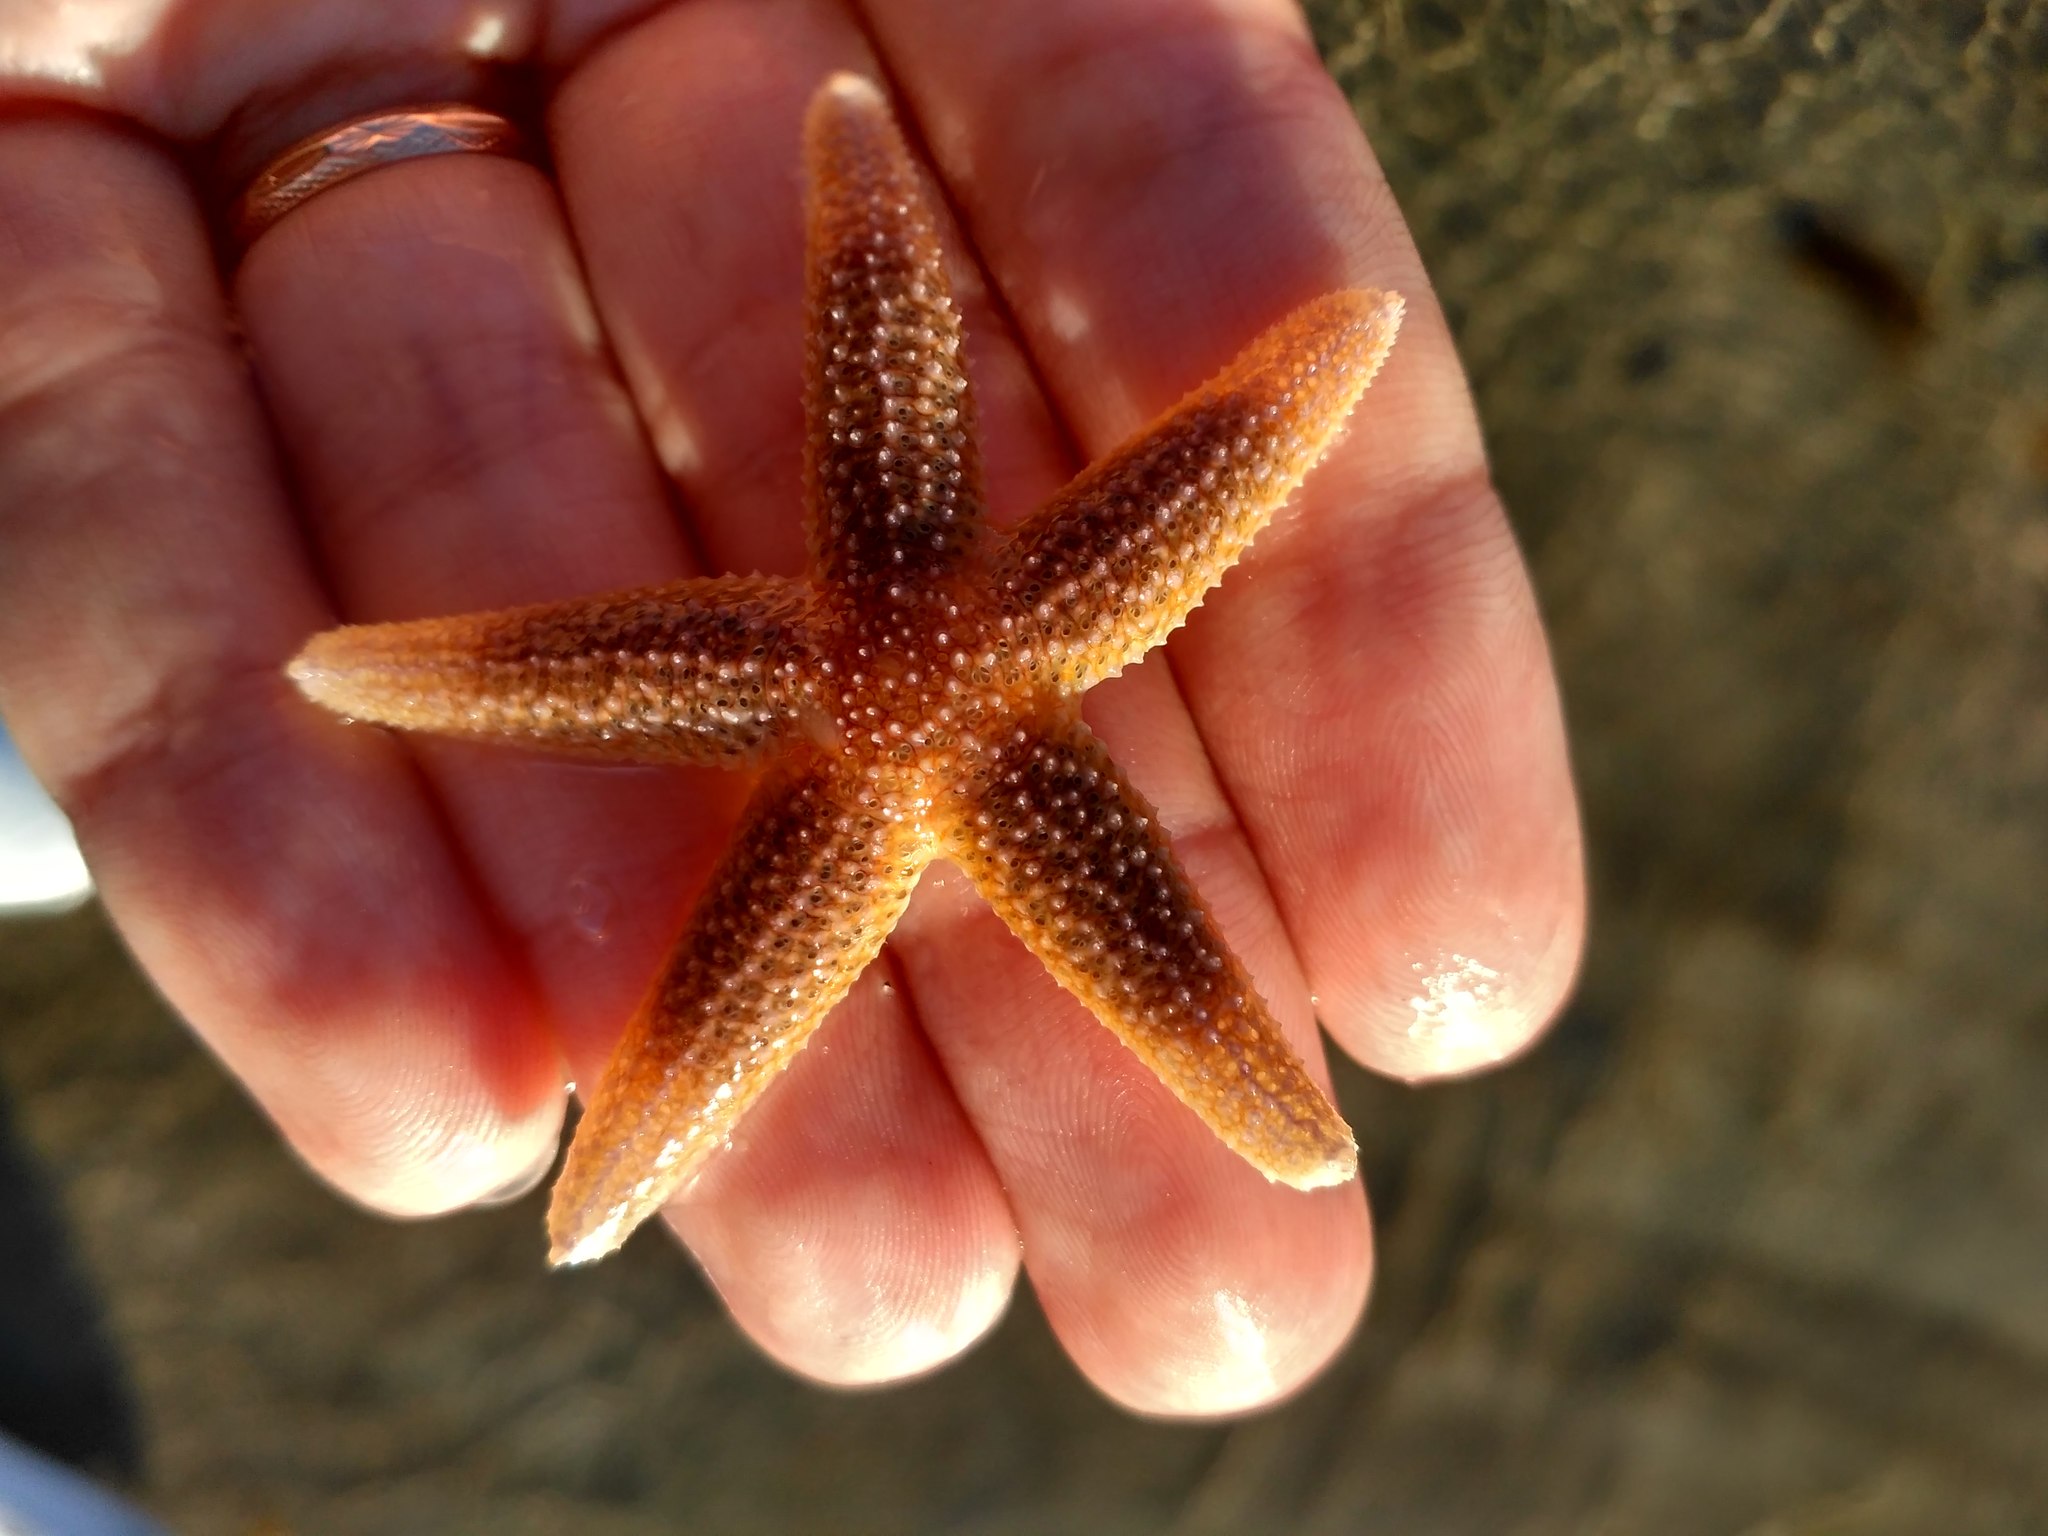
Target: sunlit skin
(472, 382)
(919, 697)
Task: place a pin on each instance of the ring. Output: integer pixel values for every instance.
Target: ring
(361, 144)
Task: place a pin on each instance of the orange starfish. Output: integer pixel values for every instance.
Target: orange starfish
(921, 692)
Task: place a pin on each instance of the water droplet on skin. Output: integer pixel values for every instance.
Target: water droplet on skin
(1456, 1007)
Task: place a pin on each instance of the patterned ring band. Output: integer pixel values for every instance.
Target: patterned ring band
(347, 150)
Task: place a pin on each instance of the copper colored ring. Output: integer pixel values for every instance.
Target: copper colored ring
(347, 150)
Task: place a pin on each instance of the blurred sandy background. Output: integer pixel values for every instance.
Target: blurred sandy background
(1755, 299)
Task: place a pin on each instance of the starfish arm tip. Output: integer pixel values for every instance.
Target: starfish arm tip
(850, 88)
(1374, 315)
(845, 101)
(573, 1239)
(1371, 303)
(317, 676)
(1339, 1168)
(1362, 324)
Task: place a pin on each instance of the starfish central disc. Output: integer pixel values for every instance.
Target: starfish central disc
(917, 697)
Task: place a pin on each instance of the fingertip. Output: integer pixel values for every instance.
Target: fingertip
(1476, 1001)
(526, 1180)
(898, 1331)
(412, 1168)
(1240, 1338)
(845, 1284)
(1238, 1360)
(854, 1226)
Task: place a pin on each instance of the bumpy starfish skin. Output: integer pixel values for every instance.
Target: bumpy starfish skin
(918, 697)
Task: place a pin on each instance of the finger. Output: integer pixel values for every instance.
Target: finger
(1075, 864)
(1177, 1277)
(865, 1248)
(289, 889)
(439, 383)
(1374, 690)
(1180, 1280)
(665, 180)
(687, 202)
(462, 442)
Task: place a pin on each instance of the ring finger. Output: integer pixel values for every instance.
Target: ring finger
(438, 379)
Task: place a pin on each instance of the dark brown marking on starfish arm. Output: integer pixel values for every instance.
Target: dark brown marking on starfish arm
(1074, 861)
(816, 876)
(894, 473)
(707, 671)
(1125, 553)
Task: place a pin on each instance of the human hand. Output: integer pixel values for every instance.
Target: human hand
(1355, 744)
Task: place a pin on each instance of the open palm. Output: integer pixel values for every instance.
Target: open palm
(479, 388)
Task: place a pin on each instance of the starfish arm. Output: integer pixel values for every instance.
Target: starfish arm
(1124, 554)
(704, 671)
(802, 900)
(894, 474)
(1074, 861)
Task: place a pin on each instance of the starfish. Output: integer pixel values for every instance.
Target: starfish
(917, 697)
